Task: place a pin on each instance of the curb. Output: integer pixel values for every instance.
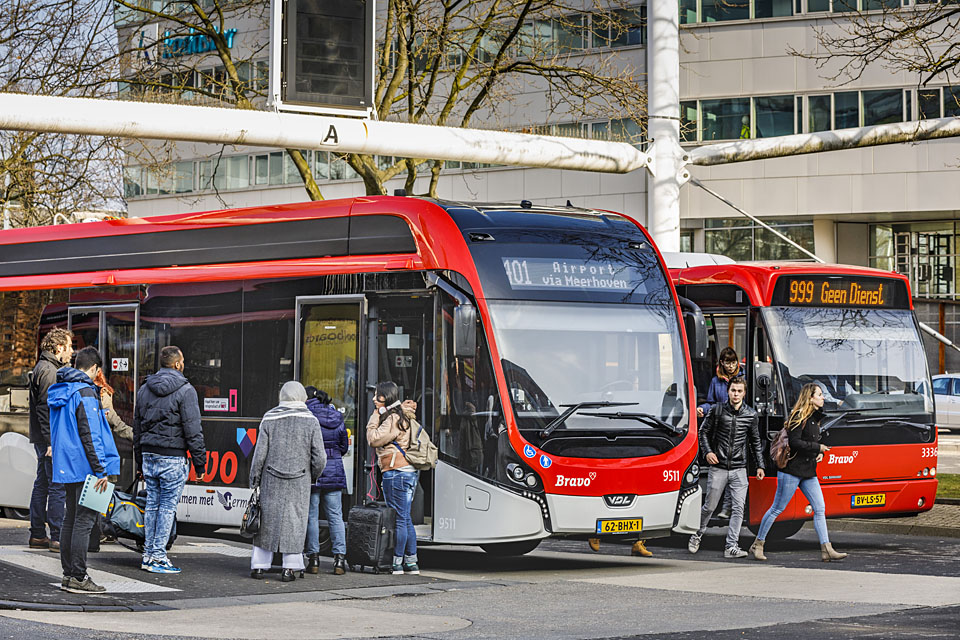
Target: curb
(867, 526)
(16, 605)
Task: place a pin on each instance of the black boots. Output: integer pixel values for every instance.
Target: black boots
(288, 575)
(257, 574)
(339, 565)
(313, 563)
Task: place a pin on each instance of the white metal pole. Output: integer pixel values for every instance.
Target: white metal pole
(797, 144)
(300, 131)
(663, 125)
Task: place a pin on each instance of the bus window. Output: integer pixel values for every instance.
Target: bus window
(767, 395)
(723, 330)
(469, 419)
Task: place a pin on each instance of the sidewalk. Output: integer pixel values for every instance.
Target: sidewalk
(215, 573)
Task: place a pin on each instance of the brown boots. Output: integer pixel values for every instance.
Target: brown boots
(594, 544)
(757, 550)
(827, 553)
(640, 549)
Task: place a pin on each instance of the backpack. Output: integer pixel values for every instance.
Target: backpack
(422, 454)
(780, 449)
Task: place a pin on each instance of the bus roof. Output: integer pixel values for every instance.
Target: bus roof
(758, 279)
(370, 233)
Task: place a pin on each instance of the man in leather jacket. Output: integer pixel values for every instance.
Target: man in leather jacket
(725, 435)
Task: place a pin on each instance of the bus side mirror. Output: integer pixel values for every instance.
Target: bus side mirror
(464, 331)
(696, 328)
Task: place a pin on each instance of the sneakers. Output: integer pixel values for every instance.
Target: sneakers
(82, 586)
(694, 545)
(410, 568)
(145, 564)
(724, 514)
(397, 568)
(63, 582)
(39, 543)
(734, 552)
(161, 566)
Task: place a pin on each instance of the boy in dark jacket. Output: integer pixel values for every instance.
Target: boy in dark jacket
(166, 425)
(329, 487)
(48, 497)
(728, 432)
(82, 446)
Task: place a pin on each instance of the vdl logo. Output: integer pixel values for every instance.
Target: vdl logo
(529, 451)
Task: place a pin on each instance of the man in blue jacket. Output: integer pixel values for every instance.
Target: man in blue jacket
(166, 425)
(82, 445)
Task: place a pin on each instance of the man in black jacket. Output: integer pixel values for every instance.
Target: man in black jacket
(726, 433)
(49, 497)
(166, 426)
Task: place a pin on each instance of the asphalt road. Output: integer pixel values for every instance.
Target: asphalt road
(890, 587)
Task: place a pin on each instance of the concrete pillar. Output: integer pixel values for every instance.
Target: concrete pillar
(825, 239)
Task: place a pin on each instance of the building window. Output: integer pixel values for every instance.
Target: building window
(951, 101)
(688, 11)
(846, 110)
(740, 239)
(774, 116)
(819, 108)
(688, 121)
(720, 10)
(772, 8)
(132, 182)
(882, 107)
(926, 252)
(686, 241)
(727, 119)
(928, 103)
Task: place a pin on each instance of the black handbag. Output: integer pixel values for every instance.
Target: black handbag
(250, 525)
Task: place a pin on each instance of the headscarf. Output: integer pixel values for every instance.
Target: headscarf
(293, 399)
(292, 392)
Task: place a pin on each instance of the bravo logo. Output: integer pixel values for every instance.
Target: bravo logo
(835, 459)
(564, 481)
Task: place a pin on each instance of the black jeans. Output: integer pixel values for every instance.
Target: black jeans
(75, 535)
(46, 501)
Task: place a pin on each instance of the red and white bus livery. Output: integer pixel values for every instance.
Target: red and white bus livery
(544, 347)
(853, 331)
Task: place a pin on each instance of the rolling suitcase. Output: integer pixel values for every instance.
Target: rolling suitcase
(370, 535)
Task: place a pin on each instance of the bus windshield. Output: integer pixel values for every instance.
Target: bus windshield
(864, 359)
(629, 357)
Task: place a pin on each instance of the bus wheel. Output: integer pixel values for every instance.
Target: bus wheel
(16, 514)
(510, 548)
(780, 530)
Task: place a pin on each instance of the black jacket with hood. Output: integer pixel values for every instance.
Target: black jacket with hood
(167, 419)
(805, 447)
(43, 376)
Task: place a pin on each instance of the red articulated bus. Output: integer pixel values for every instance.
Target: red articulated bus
(853, 331)
(545, 348)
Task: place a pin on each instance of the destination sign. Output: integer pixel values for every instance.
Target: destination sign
(840, 291)
(571, 274)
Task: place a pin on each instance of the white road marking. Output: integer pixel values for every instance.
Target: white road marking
(49, 564)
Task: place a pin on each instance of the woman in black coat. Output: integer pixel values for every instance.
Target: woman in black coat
(803, 432)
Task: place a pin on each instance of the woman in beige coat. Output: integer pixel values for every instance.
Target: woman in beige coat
(389, 430)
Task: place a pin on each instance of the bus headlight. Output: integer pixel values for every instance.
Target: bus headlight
(692, 475)
(926, 472)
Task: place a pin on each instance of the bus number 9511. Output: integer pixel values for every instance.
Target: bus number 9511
(671, 475)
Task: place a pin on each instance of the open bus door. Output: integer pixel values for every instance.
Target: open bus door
(113, 330)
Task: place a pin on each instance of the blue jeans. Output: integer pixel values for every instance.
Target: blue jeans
(333, 508)
(786, 486)
(398, 489)
(165, 477)
(47, 500)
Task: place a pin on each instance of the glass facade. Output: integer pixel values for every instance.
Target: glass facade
(774, 116)
(725, 119)
(926, 252)
(741, 239)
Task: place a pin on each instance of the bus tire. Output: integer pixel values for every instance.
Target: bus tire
(780, 530)
(14, 513)
(510, 548)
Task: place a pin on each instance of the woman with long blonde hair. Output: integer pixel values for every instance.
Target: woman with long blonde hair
(803, 432)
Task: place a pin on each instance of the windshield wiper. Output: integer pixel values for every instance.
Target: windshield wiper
(554, 424)
(646, 418)
(848, 416)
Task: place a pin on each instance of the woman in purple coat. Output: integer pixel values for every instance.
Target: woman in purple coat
(329, 487)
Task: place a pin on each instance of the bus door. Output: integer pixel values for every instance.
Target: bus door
(401, 336)
(112, 329)
(328, 357)
(724, 329)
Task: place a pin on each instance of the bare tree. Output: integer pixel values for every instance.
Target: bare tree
(62, 48)
(923, 39)
(441, 62)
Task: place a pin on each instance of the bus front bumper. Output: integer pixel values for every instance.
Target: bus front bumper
(660, 514)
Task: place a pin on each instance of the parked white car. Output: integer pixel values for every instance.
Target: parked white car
(946, 395)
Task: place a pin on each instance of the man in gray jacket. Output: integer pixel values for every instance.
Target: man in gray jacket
(49, 497)
(166, 426)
